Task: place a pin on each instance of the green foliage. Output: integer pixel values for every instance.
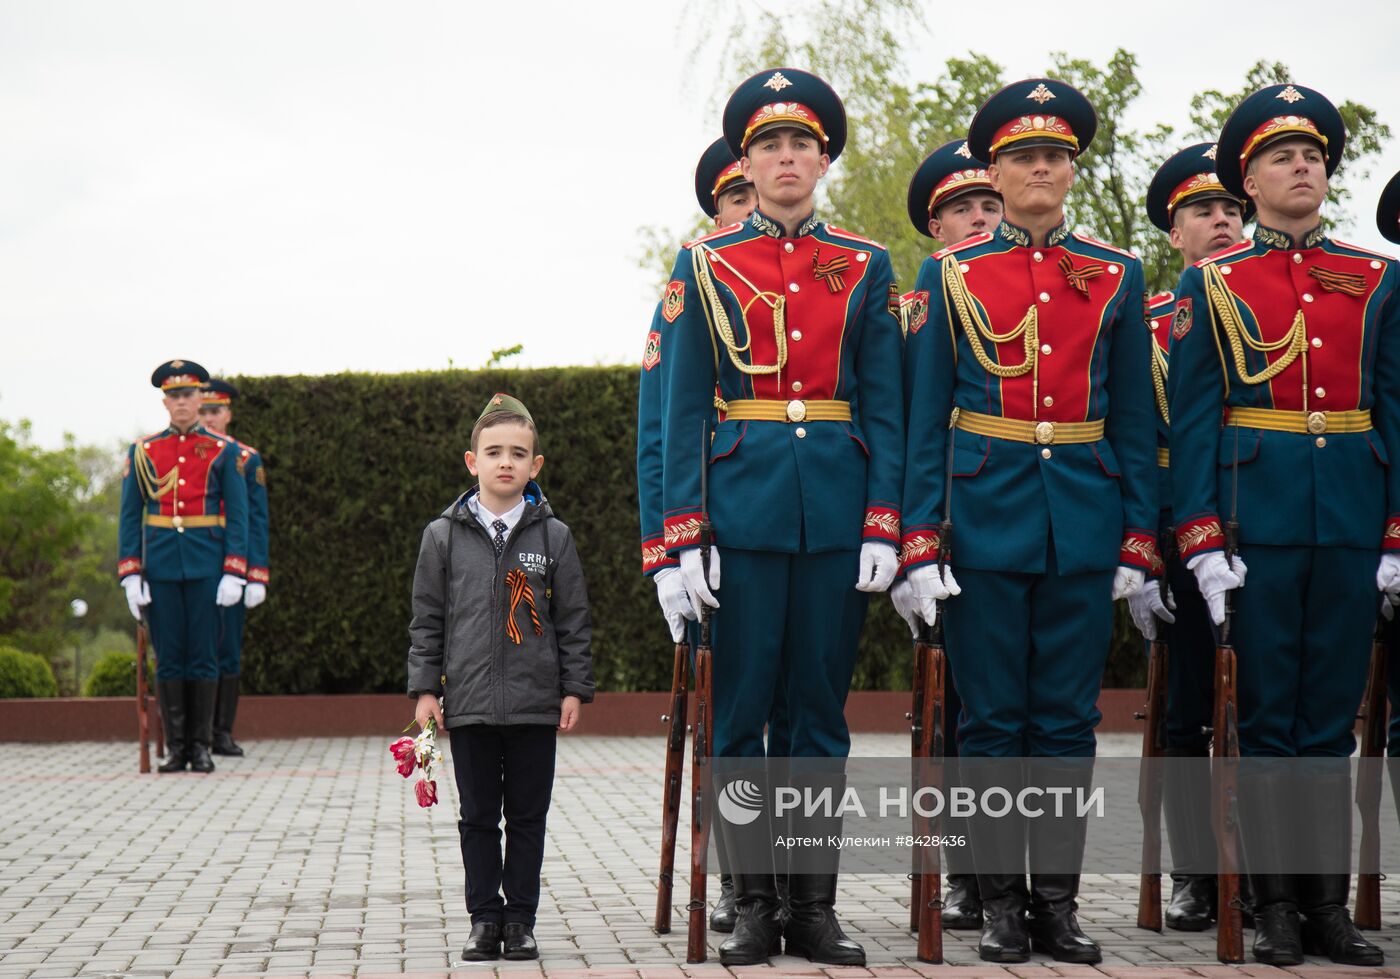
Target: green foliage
(503, 354)
(359, 463)
(113, 675)
(25, 675)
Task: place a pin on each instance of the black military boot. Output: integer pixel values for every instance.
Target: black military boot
(962, 908)
(172, 715)
(758, 928)
(1322, 898)
(1278, 936)
(999, 855)
(1056, 856)
(811, 929)
(1186, 794)
(723, 916)
(225, 709)
(200, 722)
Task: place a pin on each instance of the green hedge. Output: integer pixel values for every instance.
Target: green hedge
(25, 675)
(358, 463)
(113, 675)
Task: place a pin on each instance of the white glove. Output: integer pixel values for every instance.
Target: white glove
(255, 594)
(698, 590)
(138, 593)
(879, 560)
(1387, 609)
(1215, 577)
(902, 594)
(230, 591)
(930, 589)
(1388, 577)
(1147, 607)
(1127, 581)
(675, 603)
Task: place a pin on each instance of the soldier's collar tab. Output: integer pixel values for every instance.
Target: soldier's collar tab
(1282, 241)
(1020, 236)
(763, 224)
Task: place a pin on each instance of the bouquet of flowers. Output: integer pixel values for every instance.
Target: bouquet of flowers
(421, 754)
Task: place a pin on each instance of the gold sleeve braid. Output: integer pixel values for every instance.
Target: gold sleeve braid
(715, 312)
(1222, 301)
(976, 327)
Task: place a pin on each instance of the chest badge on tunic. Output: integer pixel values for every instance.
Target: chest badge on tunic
(1079, 276)
(830, 271)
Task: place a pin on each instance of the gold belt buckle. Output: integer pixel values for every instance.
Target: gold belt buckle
(1044, 433)
(796, 410)
(1317, 422)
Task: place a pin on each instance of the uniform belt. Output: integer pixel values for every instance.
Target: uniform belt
(1164, 457)
(766, 410)
(1036, 433)
(211, 520)
(1300, 422)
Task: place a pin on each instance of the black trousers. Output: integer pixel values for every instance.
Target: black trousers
(507, 766)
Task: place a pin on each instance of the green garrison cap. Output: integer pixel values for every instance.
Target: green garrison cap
(503, 402)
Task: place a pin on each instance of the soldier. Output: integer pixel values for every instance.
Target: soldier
(1186, 201)
(727, 197)
(1033, 344)
(182, 545)
(950, 199)
(216, 414)
(1283, 398)
(796, 322)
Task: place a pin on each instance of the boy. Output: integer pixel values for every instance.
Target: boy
(501, 633)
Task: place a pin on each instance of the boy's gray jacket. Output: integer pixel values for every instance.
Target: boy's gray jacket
(460, 648)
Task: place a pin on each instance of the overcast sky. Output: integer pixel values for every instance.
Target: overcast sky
(310, 186)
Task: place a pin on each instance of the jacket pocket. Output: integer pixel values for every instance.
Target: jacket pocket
(1378, 447)
(970, 452)
(1108, 459)
(1249, 443)
(857, 436)
(727, 438)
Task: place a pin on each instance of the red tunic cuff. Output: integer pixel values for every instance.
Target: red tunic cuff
(128, 566)
(919, 547)
(1139, 550)
(683, 531)
(654, 556)
(259, 575)
(1199, 535)
(881, 523)
(1391, 540)
(233, 564)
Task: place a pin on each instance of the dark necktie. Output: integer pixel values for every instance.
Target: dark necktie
(499, 541)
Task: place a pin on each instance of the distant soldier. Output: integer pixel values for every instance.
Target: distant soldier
(1284, 395)
(183, 545)
(216, 414)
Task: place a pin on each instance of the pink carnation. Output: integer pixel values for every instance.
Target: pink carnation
(426, 792)
(402, 750)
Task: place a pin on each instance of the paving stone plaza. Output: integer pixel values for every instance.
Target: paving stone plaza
(310, 857)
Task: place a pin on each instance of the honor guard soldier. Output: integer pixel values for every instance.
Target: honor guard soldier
(950, 199)
(1034, 347)
(1283, 391)
(216, 414)
(183, 545)
(727, 197)
(1186, 201)
(1388, 223)
(796, 321)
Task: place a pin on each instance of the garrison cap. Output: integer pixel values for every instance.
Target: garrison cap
(1388, 211)
(219, 392)
(717, 171)
(1188, 175)
(503, 403)
(175, 375)
(788, 98)
(1034, 112)
(1273, 113)
(948, 172)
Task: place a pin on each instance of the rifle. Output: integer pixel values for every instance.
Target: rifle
(930, 655)
(143, 717)
(1225, 745)
(1154, 746)
(704, 735)
(916, 750)
(671, 791)
(1368, 783)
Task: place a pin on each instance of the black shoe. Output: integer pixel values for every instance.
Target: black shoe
(484, 943)
(1005, 937)
(1192, 906)
(722, 918)
(812, 930)
(519, 942)
(171, 695)
(225, 710)
(1052, 924)
(1278, 936)
(757, 932)
(1329, 931)
(962, 908)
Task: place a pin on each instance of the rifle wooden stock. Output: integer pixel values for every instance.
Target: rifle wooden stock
(700, 817)
(1229, 936)
(1154, 745)
(916, 749)
(671, 789)
(1368, 783)
(932, 747)
(143, 715)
